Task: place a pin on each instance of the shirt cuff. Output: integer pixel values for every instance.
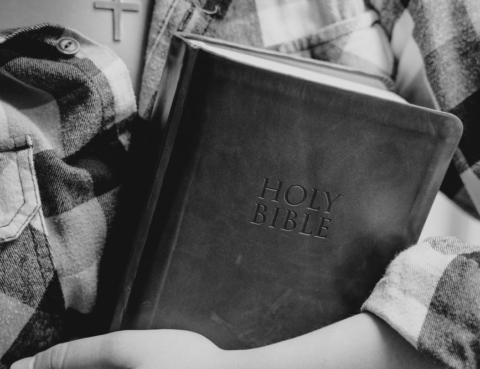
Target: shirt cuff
(430, 294)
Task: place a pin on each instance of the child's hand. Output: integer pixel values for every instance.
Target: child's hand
(156, 349)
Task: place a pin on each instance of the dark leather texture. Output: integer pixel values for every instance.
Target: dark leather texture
(281, 203)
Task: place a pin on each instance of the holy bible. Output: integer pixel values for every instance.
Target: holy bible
(278, 191)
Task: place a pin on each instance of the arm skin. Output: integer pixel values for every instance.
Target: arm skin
(362, 341)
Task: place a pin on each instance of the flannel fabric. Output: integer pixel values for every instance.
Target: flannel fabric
(63, 140)
(430, 49)
(430, 294)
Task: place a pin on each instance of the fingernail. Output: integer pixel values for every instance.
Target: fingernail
(27, 363)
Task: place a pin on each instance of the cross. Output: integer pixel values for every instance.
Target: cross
(117, 6)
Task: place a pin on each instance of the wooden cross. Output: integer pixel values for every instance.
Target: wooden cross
(117, 6)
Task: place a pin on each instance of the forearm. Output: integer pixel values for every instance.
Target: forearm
(362, 341)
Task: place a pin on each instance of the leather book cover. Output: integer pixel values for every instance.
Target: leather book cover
(274, 203)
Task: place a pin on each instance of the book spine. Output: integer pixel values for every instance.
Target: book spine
(162, 132)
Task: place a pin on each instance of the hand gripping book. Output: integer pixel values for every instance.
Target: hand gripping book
(279, 191)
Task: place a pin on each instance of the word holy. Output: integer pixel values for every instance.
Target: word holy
(307, 221)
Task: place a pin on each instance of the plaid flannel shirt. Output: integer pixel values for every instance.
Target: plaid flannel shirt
(63, 113)
(63, 140)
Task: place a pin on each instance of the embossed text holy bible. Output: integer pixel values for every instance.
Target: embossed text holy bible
(280, 189)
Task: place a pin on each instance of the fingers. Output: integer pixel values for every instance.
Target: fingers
(107, 351)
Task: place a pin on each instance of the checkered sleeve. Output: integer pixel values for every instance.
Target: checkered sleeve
(431, 296)
(66, 108)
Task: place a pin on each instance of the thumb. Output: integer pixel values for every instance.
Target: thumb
(95, 352)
